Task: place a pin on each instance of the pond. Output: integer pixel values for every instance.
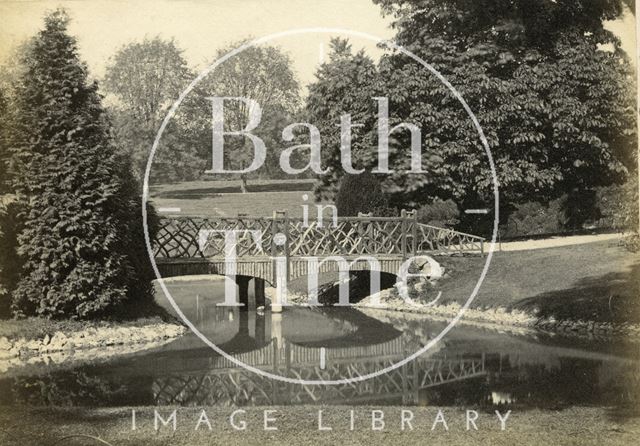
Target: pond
(470, 367)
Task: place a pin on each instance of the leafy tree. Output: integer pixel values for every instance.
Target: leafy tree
(80, 239)
(556, 108)
(345, 84)
(146, 77)
(263, 74)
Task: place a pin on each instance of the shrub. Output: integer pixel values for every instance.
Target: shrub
(534, 218)
(618, 205)
(439, 213)
(580, 208)
(361, 193)
(631, 242)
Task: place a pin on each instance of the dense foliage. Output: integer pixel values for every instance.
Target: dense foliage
(4, 143)
(534, 218)
(80, 237)
(10, 263)
(442, 213)
(362, 194)
(145, 78)
(550, 86)
(264, 74)
(618, 205)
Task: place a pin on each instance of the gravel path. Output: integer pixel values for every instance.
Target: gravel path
(555, 241)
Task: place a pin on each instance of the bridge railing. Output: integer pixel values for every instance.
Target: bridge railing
(193, 237)
(434, 239)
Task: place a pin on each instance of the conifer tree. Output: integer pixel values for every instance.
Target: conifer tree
(81, 240)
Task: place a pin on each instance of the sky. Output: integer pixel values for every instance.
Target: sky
(200, 27)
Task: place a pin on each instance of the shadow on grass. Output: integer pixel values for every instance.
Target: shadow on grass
(613, 297)
(208, 192)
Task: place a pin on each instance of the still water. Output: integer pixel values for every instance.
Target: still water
(469, 367)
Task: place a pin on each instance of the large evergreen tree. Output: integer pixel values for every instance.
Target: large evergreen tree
(81, 240)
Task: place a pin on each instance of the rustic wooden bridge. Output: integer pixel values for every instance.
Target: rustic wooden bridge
(188, 245)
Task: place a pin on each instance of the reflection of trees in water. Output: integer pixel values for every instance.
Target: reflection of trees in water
(80, 388)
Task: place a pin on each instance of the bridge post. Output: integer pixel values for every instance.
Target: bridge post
(243, 324)
(414, 232)
(258, 291)
(243, 292)
(403, 217)
(279, 217)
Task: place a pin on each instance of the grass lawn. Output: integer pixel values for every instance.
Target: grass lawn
(232, 186)
(223, 198)
(593, 281)
(299, 426)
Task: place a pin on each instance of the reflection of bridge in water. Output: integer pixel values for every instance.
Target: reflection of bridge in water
(187, 246)
(225, 383)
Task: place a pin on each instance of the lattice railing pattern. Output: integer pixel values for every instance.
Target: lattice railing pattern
(434, 239)
(204, 237)
(351, 236)
(186, 237)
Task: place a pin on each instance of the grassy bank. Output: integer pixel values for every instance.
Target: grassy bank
(592, 282)
(299, 426)
(29, 340)
(592, 288)
(128, 315)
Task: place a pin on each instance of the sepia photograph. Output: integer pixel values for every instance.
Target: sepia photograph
(327, 222)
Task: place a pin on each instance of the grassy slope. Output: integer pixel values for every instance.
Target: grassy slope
(593, 281)
(298, 426)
